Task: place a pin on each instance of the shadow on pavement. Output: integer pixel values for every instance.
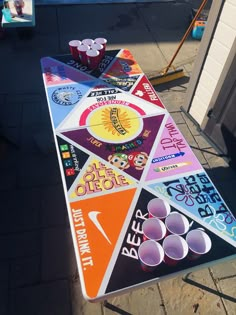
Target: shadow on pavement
(203, 287)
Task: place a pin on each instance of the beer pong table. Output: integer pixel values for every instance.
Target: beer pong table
(118, 148)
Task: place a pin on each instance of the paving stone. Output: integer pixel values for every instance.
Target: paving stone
(20, 210)
(45, 116)
(184, 298)
(44, 299)
(49, 14)
(227, 189)
(25, 271)
(139, 302)
(187, 135)
(222, 190)
(214, 159)
(31, 113)
(4, 272)
(155, 16)
(28, 143)
(224, 270)
(53, 206)
(115, 17)
(2, 99)
(3, 300)
(4, 279)
(200, 155)
(23, 98)
(9, 152)
(219, 168)
(227, 287)
(189, 50)
(222, 187)
(36, 170)
(44, 141)
(189, 67)
(79, 305)
(31, 83)
(11, 135)
(19, 245)
(11, 113)
(172, 100)
(178, 118)
(205, 166)
(47, 45)
(37, 138)
(8, 179)
(58, 256)
(193, 128)
(202, 142)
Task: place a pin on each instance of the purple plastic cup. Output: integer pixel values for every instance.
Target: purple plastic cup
(199, 243)
(175, 248)
(150, 254)
(176, 223)
(153, 229)
(158, 208)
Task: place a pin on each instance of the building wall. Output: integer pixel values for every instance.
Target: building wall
(216, 64)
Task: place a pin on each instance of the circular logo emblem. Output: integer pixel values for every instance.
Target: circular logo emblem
(66, 96)
(119, 123)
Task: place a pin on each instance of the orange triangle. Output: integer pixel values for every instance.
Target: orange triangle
(96, 244)
(124, 65)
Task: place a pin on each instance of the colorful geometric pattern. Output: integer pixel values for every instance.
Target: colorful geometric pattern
(118, 148)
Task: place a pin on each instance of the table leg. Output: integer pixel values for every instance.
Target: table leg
(185, 277)
(115, 308)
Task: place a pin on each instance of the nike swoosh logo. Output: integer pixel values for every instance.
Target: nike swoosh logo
(93, 217)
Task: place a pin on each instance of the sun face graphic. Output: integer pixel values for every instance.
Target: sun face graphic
(119, 123)
(116, 121)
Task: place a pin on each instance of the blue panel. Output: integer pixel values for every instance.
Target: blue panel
(64, 98)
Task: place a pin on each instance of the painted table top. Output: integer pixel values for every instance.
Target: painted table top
(118, 148)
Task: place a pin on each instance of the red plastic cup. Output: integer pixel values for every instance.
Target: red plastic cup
(100, 48)
(153, 229)
(150, 255)
(93, 57)
(82, 49)
(102, 41)
(175, 248)
(87, 41)
(73, 44)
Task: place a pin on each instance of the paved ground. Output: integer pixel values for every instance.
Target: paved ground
(38, 274)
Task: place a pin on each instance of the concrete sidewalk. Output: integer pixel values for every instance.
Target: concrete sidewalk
(38, 272)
